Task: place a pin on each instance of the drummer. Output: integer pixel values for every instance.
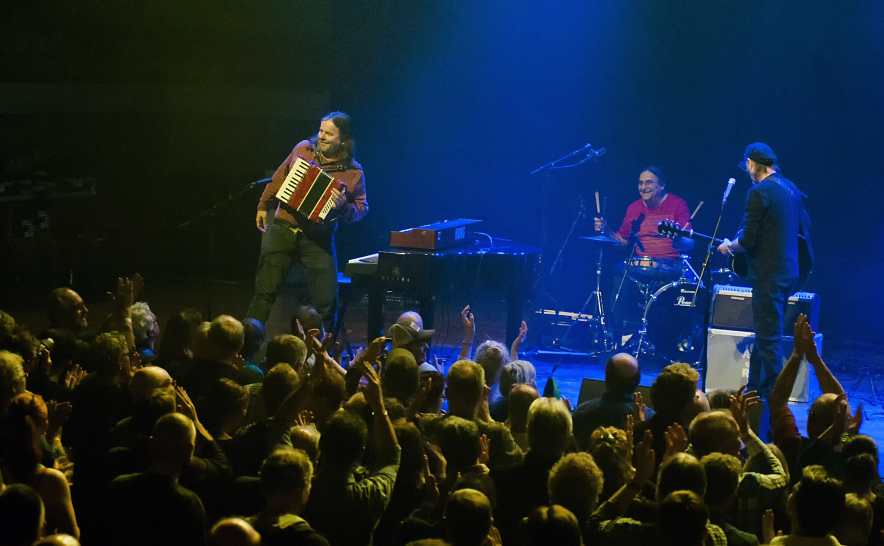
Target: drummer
(643, 215)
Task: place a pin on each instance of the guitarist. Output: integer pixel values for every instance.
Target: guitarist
(769, 236)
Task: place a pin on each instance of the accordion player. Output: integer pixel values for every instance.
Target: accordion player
(308, 190)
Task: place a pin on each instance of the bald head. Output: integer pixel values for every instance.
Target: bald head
(715, 432)
(234, 532)
(412, 316)
(467, 517)
(306, 438)
(149, 378)
(57, 540)
(821, 414)
(622, 374)
(173, 439)
(66, 309)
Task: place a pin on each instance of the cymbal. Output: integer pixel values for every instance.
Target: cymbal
(601, 239)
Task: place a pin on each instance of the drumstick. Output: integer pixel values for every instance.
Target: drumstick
(696, 210)
(598, 207)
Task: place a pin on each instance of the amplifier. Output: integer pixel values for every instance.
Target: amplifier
(732, 309)
(727, 368)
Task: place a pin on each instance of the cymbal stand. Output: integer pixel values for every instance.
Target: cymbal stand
(600, 308)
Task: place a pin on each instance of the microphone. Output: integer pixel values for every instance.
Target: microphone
(262, 181)
(730, 186)
(595, 154)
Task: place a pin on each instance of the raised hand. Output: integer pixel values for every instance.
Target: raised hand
(73, 377)
(373, 393)
(469, 323)
(600, 225)
(304, 419)
(855, 421)
(644, 459)
(299, 331)
(484, 449)
(431, 489)
(741, 403)
(639, 409)
(123, 293)
(676, 441)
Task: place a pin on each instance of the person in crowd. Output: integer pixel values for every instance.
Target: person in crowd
(520, 399)
(521, 487)
(610, 449)
(723, 473)
(552, 525)
(517, 372)
(253, 344)
(401, 378)
(854, 527)
(672, 393)
(225, 341)
(145, 331)
(622, 376)
(682, 519)
(725, 432)
(410, 335)
(284, 348)
(26, 422)
(223, 408)
(233, 532)
(575, 483)
(342, 444)
(468, 518)
(21, 515)
(151, 507)
(285, 480)
(175, 349)
(815, 507)
(466, 392)
(829, 416)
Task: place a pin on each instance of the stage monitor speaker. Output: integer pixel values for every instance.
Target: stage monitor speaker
(728, 363)
(732, 309)
(594, 388)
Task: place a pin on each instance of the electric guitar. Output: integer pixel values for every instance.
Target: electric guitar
(739, 262)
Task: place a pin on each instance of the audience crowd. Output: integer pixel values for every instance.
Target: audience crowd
(199, 433)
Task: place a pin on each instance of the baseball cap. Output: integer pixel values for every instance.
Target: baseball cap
(759, 152)
(405, 331)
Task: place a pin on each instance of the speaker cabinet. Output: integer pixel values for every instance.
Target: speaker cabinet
(595, 388)
(728, 363)
(732, 309)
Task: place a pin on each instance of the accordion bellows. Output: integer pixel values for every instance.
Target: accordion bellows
(308, 190)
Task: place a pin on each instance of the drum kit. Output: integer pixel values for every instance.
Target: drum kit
(659, 308)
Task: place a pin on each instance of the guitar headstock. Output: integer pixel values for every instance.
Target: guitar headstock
(671, 229)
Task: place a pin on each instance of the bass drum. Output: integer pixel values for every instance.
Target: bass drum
(674, 319)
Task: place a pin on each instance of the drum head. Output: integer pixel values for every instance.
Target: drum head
(675, 321)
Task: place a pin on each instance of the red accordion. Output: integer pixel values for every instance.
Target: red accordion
(308, 190)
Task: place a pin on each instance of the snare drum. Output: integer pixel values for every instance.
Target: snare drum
(674, 321)
(645, 268)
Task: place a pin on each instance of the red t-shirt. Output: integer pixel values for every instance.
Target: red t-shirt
(643, 221)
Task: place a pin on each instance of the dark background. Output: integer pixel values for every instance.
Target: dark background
(173, 106)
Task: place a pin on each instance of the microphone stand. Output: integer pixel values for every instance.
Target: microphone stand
(546, 169)
(707, 312)
(207, 214)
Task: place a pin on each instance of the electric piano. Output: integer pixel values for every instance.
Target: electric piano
(505, 267)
